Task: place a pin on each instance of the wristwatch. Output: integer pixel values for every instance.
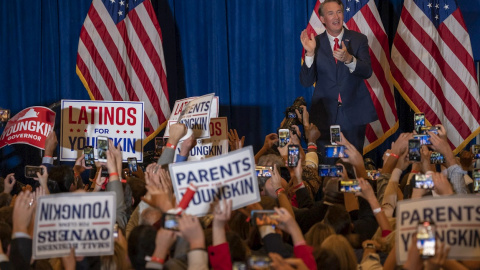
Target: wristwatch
(370, 246)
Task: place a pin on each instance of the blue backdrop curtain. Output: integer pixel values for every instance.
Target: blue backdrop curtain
(246, 51)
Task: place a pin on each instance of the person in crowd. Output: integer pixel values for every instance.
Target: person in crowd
(312, 224)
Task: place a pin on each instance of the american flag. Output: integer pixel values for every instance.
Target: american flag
(120, 57)
(362, 16)
(433, 65)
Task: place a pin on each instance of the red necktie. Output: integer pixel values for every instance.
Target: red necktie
(336, 46)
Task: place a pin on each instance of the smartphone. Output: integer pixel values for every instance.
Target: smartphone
(323, 170)
(476, 151)
(283, 137)
(476, 180)
(349, 186)
(418, 122)
(4, 115)
(293, 155)
(31, 171)
(115, 230)
(334, 134)
(424, 139)
(159, 143)
(414, 150)
(258, 262)
(437, 158)
(102, 147)
(264, 217)
(104, 172)
(423, 130)
(89, 156)
(426, 239)
(335, 151)
(263, 171)
(170, 221)
(263, 174)
(132, 164)
(422, 181)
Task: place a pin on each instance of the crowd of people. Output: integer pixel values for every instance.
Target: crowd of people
(315, 225)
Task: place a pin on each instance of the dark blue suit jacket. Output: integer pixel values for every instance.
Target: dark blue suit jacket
(333, 78)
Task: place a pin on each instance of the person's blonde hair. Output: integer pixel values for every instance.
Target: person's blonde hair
(336, 253)
(388, 242)
(317, 234)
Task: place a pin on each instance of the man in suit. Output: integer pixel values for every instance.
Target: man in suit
(338, 62)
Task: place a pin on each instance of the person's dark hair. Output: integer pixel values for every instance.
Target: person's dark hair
(63, 175)
(5, 235)
(137, 186)
(6, 215)
(348, 168)
(5, 199)
(320, 9)
(339, 219)
(141, 243)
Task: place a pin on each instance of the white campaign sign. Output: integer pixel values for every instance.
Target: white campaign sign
(83, 221)
(216, 145)
(457, 222)
(230, 177)
(83, 121)
(196, 116)
(178, 108)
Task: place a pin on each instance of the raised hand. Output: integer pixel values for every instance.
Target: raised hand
(308, 42)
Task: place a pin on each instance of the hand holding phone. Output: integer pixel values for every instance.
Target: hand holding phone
(264, 217)
(283, 137)
(132, 164)
(334, 134)
(170, 221)
(31, 171)
(293, 155)
(418, 122)
(426, 239)
(476, 151)
(89, 156)
(102, 147)
(414, 150)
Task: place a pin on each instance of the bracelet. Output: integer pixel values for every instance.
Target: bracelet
(157, 260)
(299, 186)
(312, 147)
(169, 145)
(278, 190)
(98, 184)
(113, 174)
(47, 156)
(377, 210)
(394, 155)
(312, 143)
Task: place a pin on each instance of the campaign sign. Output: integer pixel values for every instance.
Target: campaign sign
(30, 126)
(457, 222)
(230, 177)
(178, 108)
(216, 145)
(83, 221)
(196, 116)
(84, 120)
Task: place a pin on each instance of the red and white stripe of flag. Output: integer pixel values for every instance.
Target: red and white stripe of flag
(435, 72)
(125, 61)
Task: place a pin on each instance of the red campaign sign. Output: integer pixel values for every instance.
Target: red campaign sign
(30, 126)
